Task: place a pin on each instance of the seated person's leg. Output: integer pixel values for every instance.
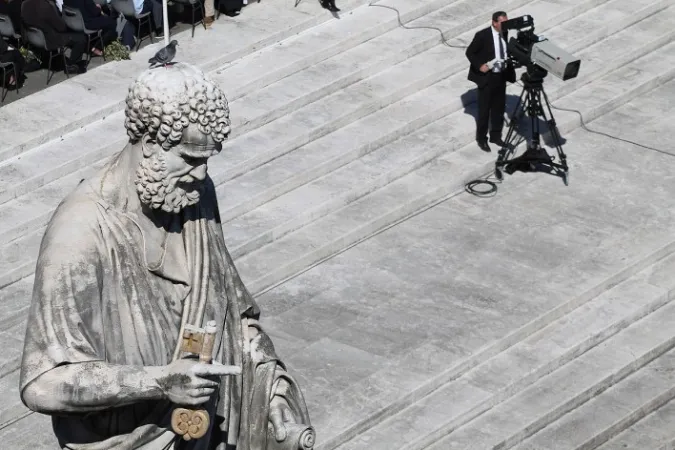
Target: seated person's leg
(15, 57)
(127, 35)
(77, 42)
(157, 14)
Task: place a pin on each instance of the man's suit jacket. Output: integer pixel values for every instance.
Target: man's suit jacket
(480, 51)
(43, 15)
(88, 9)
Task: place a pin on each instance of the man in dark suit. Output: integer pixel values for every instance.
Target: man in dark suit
(95, 19)
(490, 70)
(44, 15)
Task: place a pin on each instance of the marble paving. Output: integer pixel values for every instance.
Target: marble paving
(414, 314)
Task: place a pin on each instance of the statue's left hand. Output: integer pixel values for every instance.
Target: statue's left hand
(280, 413)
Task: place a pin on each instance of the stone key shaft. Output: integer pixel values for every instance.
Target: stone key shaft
(189, 423)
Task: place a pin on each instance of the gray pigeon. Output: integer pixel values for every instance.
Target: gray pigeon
(164, 56)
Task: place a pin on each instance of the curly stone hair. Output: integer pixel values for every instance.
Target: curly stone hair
(163, 101)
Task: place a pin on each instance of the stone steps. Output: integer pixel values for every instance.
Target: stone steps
(55, 159)
(16, 253)
(101, 92)
(404, 185)
(505, 375)
(612, 411)
(654, 431)
(35, 216)
(311, 165)
(576, 327)
(19, 255)
(440, 394)
(256, 69)
(621, 363)
(432, 183)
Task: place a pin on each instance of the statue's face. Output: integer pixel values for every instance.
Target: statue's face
(174, 179)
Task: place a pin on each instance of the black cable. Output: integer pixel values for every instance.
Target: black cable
(585, 128)
(402, 25)
(491, 191)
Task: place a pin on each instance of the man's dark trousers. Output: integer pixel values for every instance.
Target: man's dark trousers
(491, 106)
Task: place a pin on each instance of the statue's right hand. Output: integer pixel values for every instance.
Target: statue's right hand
(186, 381)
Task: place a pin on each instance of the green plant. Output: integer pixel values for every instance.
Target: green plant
(116, 51)
(28, 55)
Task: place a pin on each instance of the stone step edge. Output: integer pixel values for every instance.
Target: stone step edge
(309, 98)
(8, 237)
(430, 7)
(589, 342)
(207, 66)
(668, 446)
(586, 395)
(486, 353)
(629, 420)
(512, 390)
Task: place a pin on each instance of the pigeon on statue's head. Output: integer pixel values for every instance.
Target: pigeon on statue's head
(164, 56)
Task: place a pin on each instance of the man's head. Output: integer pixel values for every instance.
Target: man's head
(497, 19)
(180, 118)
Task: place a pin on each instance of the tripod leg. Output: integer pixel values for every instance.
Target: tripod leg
(518, 113)
(555, 134)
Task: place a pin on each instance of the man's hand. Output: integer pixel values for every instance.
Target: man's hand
(280, 413)
(484, 68)
(184, 382)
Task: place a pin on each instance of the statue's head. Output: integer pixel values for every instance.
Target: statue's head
(179, 118)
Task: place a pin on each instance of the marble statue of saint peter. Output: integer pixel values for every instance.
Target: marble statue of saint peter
(132, 258)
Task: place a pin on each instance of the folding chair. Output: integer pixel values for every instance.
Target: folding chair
(126, 8)
(74, 20)
(36, 38)
(5, 89)
(8, 30)
(196, 5)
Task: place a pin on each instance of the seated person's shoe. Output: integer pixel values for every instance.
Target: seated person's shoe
(74, 69)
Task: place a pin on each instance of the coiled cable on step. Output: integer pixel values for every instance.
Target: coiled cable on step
(472, 187)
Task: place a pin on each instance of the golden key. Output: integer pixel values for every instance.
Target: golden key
(189, 423)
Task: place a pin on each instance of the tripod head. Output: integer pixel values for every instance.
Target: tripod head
(533, 76)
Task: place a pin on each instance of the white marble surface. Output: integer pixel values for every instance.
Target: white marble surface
(340, 137)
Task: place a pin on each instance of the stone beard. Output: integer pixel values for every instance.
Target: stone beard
(158, 190)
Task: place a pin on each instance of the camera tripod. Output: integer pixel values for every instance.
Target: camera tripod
(530, 103)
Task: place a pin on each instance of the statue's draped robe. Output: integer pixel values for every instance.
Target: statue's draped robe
(100, 296)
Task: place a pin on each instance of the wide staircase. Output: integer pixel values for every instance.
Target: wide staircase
(347, 129)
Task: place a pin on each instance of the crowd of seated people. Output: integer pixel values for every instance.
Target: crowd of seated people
(47, 16)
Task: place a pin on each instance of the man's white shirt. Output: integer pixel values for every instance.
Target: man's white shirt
(496, 37)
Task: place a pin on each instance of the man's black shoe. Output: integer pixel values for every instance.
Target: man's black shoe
(330, 5)
(483, 145)
(498, 141)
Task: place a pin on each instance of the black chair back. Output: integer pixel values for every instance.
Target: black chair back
(73, 18)
(36, 38)
(124, 7)
(7, 27)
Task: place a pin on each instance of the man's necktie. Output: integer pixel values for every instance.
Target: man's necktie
(501, 47)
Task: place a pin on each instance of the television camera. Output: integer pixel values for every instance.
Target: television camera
(537, 53)
(540, 57)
